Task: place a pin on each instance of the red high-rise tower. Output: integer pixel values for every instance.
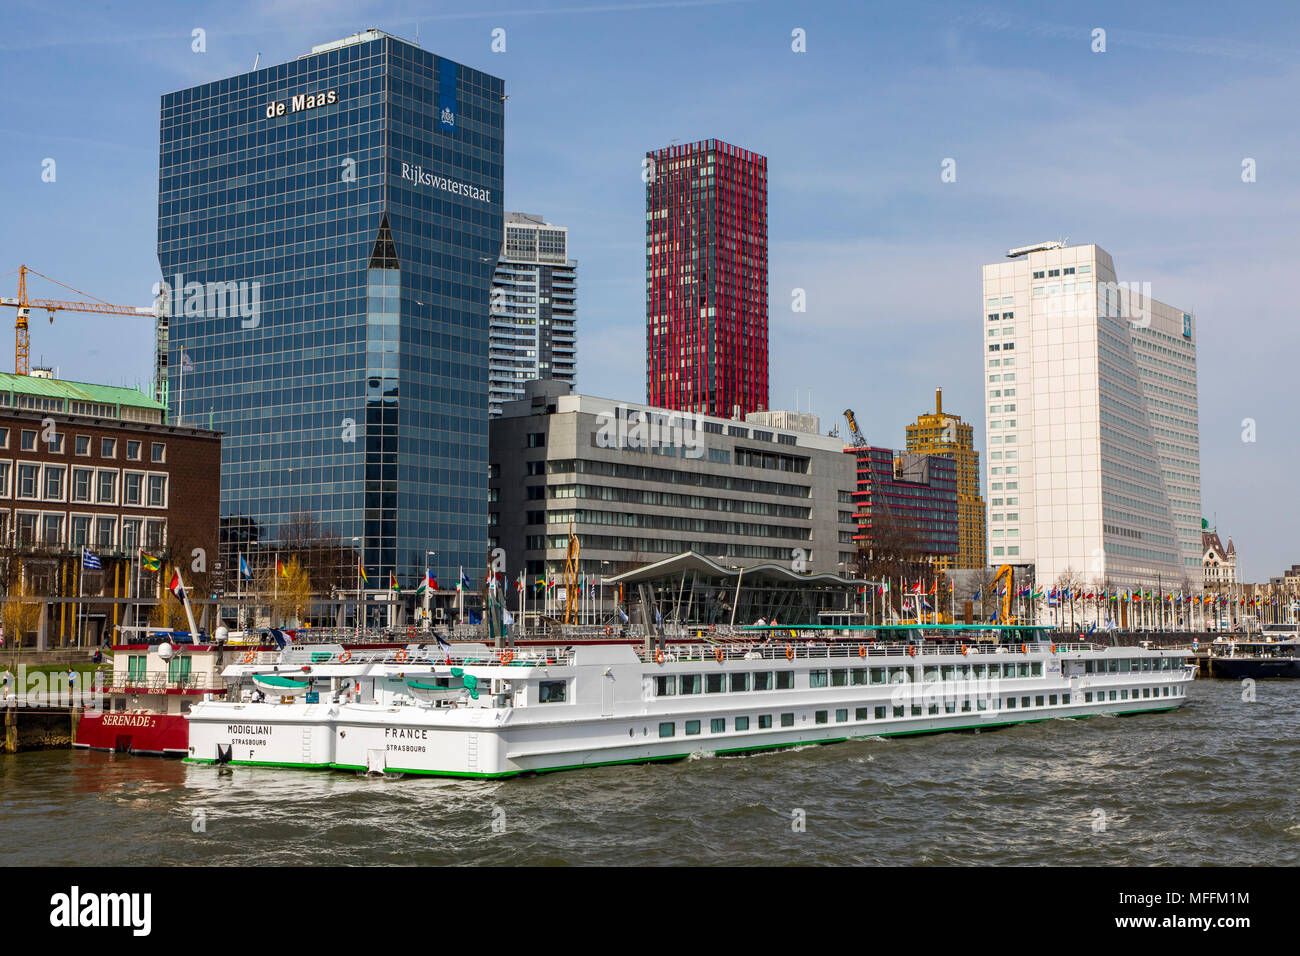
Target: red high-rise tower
(706, 278)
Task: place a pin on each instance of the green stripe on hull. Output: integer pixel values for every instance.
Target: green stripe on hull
(261, 763)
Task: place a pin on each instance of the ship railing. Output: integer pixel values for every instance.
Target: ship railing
(779, 651)
(158, 683)
(457, 656)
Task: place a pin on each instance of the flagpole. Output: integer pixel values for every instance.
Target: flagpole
(139, 560)
(81, 594)
(239, 590)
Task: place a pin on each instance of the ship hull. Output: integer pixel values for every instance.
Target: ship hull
(152, 735)
(1239, 668)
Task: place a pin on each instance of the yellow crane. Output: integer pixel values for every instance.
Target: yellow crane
(24, 305)
(1007, 616)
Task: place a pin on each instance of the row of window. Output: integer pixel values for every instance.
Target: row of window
(82, 445)
(668, 685)
(45, 482)
(56, 529)
(718, 725)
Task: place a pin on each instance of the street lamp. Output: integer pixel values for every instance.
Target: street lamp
(358, 574)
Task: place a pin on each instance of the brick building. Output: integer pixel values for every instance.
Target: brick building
(96, 466)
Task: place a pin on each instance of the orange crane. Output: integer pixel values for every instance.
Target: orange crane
(25, 305)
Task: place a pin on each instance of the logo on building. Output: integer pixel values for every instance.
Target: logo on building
(303, 101)
(447, 95)
(422, 177)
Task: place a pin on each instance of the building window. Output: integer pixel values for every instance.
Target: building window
(27, 480)
(53, 482)
(80, 531)
(536, 439)
(52, 530)
(130, 534)
(157, 491)
(4, 438)
(106, 488)
(132, 485)
(26, 528)
(28, 440)
(104, 528)
(108, 447)
(56, 444)
(154, 533)
(158, 452)
(81, 445)
(133, 450)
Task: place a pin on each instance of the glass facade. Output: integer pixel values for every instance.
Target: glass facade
(326, 232)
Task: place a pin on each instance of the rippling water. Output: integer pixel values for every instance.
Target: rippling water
(1213, 783)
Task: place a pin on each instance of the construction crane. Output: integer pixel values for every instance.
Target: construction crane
(858, 440)
(24, 305)
(1009, 574)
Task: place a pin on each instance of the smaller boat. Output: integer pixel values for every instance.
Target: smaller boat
(281, 685)
(1259, 658)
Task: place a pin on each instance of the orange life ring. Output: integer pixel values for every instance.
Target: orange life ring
(401, 655)
(507, 657)
(717, 654)
(345, 657)
(911, 650)
(1024, 648)
(608, 630)
(862, 651)
(789, 653)
(1053, 648)
(965, 650)
(248, 657)
(659, 656)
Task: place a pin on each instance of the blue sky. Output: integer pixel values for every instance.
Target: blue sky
(1138, 149)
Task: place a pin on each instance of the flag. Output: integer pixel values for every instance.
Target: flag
(464, 581)
(506, 619)
(442, 643)
(149, 562)
(975, 596)
(89, 561)
(176, 587)
(392, 583)
(187, 364)
(361, 569)
(280, 568)
(244, 570)
(281, 638)
(428, 584)
(622, 616)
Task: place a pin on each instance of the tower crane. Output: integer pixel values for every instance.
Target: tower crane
(24, 305)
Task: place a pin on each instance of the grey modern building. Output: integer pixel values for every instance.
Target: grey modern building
(327, 228)
(638, 484)
(534, 309)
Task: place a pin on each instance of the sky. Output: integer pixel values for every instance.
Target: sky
(1138, 148)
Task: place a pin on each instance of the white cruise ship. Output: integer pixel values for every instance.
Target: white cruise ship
(472, 712)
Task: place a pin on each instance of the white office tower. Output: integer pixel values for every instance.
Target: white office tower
(533, 311)
(1075, 484)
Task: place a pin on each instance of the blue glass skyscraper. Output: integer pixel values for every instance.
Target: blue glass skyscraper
(327, 230)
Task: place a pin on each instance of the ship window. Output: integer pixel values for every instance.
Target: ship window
(718, 725)
(551, 691)
(1113, 695)
(1024, 670)
(859, 675)
(899, 675)
(965, 706)
(981, 703)
(979, 671)
(1024, 701)
(1089, 667)
(692, 728)
(763, 680)
(739, 682)
(1011, 703)
(1038, 701)
(787, 720)
(1052, 700)
(933, 709)
(1123, 694)
(931, 674)
(880, 713)
(1146, 663)
(948, 672)
(862, 713)
(1124, 666)
(820, 716)
(665, 686)
(1038, 668)
(690, 684)
(877, 675)
(1087, 697)
(817, 678)
(916, 709)
(764, 721)
(898, 711)
(667, 729)
(742, 723)
(1166, 692)
(785, 680)
(950, 706)
(839, 677)
(1112, 666)
(713, 684)
(1065, 698)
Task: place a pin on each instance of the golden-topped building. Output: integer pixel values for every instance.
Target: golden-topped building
(941, 433)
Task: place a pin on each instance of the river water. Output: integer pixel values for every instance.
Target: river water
(1213, 783)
